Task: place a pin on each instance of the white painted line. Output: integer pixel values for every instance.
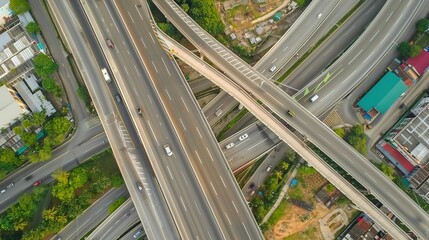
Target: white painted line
(226, 215)
(131, 17)
(183, 125)
(257, 144)
(235, 207)
(210, 154)
(185, 104)
(199, 132)
(154, 67)
(153, 133)
(198, 209)
(355, 56)
(198, 156)
(151, 37)
(183, 204)
(168, 94)
(222, 181)
(184, 178)
(166, 68)
(170, 173)
(374, 36)
(143, 42)
(213, 188)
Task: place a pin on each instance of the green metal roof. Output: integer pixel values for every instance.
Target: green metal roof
(383, 94)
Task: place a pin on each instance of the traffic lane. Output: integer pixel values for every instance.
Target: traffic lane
(369, 48)
(219, 107)
(181, 189)
(381, 187)
(337, 43)
(201, 84)
(312, 17)
(159, 208)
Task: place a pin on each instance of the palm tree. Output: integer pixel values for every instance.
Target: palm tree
(49, 214)
(278, 174)
(284, 165)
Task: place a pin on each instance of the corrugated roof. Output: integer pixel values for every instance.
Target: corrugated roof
(383, 94)
(420, 62)
(398, 156)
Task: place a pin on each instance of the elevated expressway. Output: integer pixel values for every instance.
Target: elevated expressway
(275, 99)
(199, 187)
(296, 144)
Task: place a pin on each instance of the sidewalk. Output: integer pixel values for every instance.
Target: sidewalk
(282, 193)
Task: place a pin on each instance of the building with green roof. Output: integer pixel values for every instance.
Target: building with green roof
(382, 95)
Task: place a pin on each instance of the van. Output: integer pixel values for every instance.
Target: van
(273, 68)
(314, 98)
(106, 75)
(168, 150)
(138, 233)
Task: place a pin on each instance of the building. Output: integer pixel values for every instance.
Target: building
(382, 95)
(419, 181)
(420, 62)
(395, 156)
(30, 92)
(12, 108)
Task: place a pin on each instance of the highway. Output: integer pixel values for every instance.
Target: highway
(304, 121)
(131, 160)
(195, 223)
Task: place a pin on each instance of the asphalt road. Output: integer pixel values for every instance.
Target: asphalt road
(119, 130)
(305, 122)
(198, 143)
(92, 216)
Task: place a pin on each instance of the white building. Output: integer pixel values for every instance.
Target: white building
(12, 108)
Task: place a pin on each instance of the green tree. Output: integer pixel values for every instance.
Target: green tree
(32, 28)
(39, 118)
(340, 132)
(83, 94)
(422, 25)
(278, 174)
(330, 188)
(18, 130)
(29, 138)
(204, 12)
(19, 6)
(387, 170)
(357, 138)
(26, 123)
(404, 48)
(415, 50)
(185, 7)
(8, 156)
(50, 85)
(117, 180)
(78, 177)
(170, 30)
(44, 66)
(58, 126)
(45, 153)
(61, 176)
(284, 165)
(49, 214)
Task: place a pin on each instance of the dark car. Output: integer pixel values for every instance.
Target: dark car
(252, 185)
(37, 183)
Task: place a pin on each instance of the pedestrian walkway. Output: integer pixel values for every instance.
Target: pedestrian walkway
(282, 193)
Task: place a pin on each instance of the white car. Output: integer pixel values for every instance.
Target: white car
(244, 136)
(168, 150)
(230, 145)
(3, 191)
(318, 16)
(269, 167)
(139, 186)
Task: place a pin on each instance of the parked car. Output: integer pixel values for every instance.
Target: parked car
(37, 183)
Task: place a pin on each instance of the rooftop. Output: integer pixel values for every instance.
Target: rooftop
(420, 62)
(10, 110)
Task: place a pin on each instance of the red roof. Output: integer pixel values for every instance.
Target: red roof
(398, 156)
(420, 62)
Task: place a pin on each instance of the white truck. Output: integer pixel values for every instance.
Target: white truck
(106, 75)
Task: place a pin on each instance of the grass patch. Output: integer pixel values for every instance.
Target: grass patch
(116, 204)
(278, 213)
(231, 124)
(306, 234)
(320, 42)
(423, 40)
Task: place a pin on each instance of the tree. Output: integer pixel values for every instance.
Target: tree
(58, 126)
(49, 214)
(422, 25)
(51, 86)
(82, 93)
(185, 7)
(357, 138)
(278, 174)
(19, 6)
(8, 156)
(387, 170)
(404, 49)
(284, 165)
(330, 188)
(29, 138)
(61, 176)
(32, 28)
(18, 130)
(204, 12)
(78, 177)
(38, 119)
(415, 50)
(44, 65)
(45, 153)
(26, 123)
(340, 132)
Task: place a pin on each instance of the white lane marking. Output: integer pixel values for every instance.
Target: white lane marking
(185, 104)
(222, 181)
(213, 188)
(235, 207)
(199, 132)
(329, 94)
(143, 42)
(183, 125)
(184, 177)
(274, 61)
(370, 177)
(168, 94)
(226, 215)
(198, 209)
(374, 36)
(131, 17)
(150, 99)
(153, 133)
(166, 68)
(389, 16)
(126, 70)
(257, 144)
(210, 154)
(355, 56)
(150, 34)
(348, 31)
(198, 156)
(285, 48)
(135, 68)
(170, 173)
(154, 67)
(183, 204)
(248, 235)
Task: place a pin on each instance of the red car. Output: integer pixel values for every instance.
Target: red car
(37, 183)
(109, 43)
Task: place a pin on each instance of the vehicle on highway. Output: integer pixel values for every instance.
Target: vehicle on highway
(291, 113)
(273, 68)
(269, 167)
(10, 185)
(252, 185)
(314, 98)
(118, 98)
(218, 112)
(37, 183)
(252, 192)
(168, 150)
(139, 186)
(318, 16)
(139, 111)
(230, 145)
(2, 191)
(109, 43)
(138, 233)
(244, 136)
(106, 75)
